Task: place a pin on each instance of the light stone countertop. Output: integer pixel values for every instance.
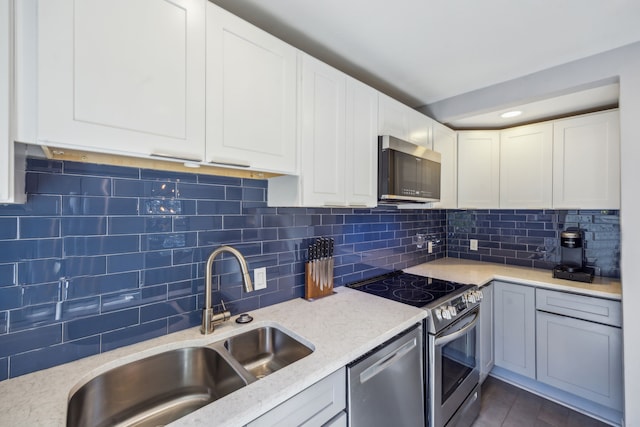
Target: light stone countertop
(480, 273)
(340, 328)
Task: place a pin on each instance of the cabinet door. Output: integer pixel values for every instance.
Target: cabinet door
(514, 317)
(420, 128)
(478, 169)
(251, 95)
(580, 357)
(586, 162)
(11, 164)
(445, 142)
(361, 144)
(122, 76)
(323, 134)
(526, 167)
(392, 117)
(486, 340)
(313, 406)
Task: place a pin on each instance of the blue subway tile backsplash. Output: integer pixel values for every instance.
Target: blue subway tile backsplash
(531, 238)
(103, 256)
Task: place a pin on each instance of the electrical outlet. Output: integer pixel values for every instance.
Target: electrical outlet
(260, 278)
(473, 244)
(430, 247)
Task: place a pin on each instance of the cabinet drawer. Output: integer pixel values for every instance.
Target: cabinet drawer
(313, 406)
(599, 310)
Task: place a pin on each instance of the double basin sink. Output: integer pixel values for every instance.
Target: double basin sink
(162, 388)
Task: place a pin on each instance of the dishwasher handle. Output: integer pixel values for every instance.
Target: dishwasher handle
(383, 364)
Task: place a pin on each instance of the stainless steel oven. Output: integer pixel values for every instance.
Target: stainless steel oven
(451, 356)
(454, 373)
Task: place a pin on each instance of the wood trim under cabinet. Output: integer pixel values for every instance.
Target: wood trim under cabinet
(54, 153)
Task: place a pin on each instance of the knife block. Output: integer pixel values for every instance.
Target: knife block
(312, 289)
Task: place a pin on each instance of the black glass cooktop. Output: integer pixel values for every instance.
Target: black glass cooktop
(408, 288)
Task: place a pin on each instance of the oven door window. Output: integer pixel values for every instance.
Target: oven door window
(458, 361)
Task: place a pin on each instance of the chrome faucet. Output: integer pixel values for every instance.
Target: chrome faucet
(209, 319)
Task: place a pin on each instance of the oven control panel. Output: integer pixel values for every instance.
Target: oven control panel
(457, 306)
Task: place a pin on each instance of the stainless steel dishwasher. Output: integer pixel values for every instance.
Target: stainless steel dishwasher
(385, 386)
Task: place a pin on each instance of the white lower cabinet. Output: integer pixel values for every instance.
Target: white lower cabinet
(486, 341)
(320, 404)
(515, 328)
(576, 355)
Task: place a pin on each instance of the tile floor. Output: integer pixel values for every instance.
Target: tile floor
(504, 405)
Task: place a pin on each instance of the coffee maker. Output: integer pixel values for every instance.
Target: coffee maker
(571, 265)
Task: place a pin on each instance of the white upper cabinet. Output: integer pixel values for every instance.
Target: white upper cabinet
(478, 169)
(251, 96)
(392, 117)
(323, 133)
(526, 167)
(122, 76)
(11, 164)
(420, 128)
(361, 166)
(445, 143)
(586, 162)
(338, 127)
(401, 121)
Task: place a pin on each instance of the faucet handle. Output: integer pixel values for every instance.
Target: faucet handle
(223, 306)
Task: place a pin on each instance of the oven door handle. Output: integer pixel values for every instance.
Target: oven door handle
(446, 339)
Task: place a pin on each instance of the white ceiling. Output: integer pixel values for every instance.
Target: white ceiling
(423, 51)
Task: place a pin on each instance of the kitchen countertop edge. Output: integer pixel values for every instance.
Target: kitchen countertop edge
(481, 273)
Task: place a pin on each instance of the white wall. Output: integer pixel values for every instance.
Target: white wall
(623, 65)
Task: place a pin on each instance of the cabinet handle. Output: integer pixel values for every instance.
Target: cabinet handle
(230, 162)
(335, 204)
(358, 205)
(174, 157)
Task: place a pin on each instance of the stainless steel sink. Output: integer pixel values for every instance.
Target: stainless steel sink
(154, 391)
(264, 350)
(164, 387)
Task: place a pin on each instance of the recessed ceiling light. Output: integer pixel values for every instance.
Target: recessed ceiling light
(510, 114)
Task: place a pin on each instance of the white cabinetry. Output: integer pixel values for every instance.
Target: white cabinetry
(314, 406)
(486, 340)
(576, 354)
(11, 164)
(361, 166)
(122, 77)
(478, 169)
(401, 121)
(526, 167)
(251, 96)
(586, 162)
(338, 142)
(515, 337)
(445, 143)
